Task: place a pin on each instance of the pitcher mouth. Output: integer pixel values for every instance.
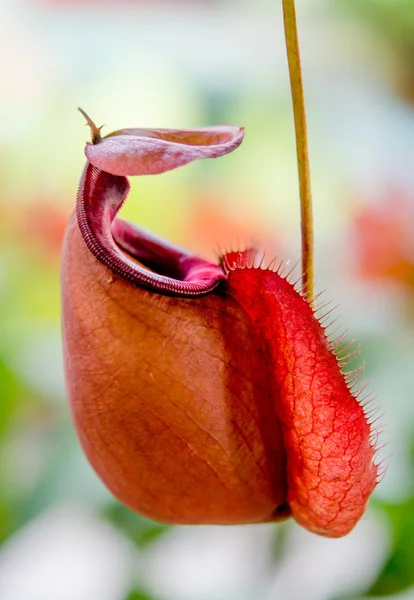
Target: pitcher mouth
(131, 253)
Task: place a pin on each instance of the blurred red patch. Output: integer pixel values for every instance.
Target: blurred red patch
(42, 225)
(211, 227)
(384, 239)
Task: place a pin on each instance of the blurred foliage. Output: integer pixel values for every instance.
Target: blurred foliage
(388, 15)
(9, 394)
(393, 22)
(398, 573)
(137, 594)
(140, 530)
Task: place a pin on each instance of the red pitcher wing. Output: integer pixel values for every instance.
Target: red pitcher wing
(330, 453)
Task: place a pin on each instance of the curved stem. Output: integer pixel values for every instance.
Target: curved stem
(95, 131)
(298, 99)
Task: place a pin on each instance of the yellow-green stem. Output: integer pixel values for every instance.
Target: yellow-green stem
(298, 100)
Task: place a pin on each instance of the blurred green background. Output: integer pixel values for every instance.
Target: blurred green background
(183, 64)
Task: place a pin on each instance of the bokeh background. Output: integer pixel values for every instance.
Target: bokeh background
(183, 64)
